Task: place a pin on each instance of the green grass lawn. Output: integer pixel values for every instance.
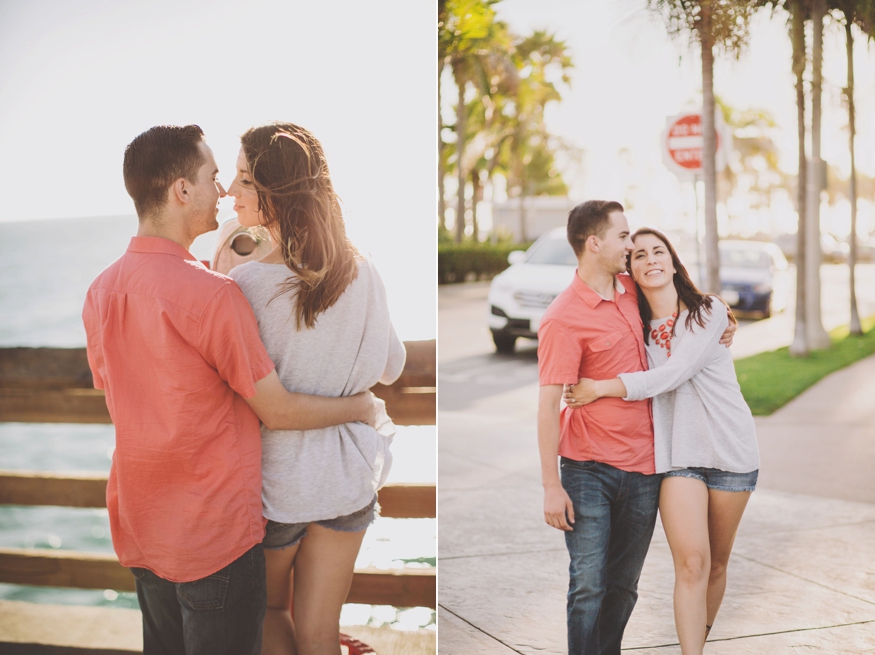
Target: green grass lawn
(771, 380)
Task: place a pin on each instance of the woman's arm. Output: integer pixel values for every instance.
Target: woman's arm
(692, 353)
(587, 391)
(280, 409)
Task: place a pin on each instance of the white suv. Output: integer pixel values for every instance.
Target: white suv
(519, 296)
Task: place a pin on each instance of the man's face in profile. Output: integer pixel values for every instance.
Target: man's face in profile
(205, 192)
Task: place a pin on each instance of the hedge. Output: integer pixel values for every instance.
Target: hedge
(470, 261)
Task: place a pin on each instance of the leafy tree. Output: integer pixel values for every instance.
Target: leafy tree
(529, 149)
(710, 24)
(476, 46)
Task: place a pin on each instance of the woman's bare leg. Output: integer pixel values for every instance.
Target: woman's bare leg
(683, 507)
(279, 632)
(725, 509)
(323, 575)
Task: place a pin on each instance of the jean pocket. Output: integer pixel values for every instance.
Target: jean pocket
(207, 593)
(585, 465)
(139, 573)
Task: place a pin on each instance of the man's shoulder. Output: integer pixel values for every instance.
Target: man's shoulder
(181, 282)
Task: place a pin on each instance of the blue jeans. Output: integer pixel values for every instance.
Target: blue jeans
(222, 613)
(614, 516)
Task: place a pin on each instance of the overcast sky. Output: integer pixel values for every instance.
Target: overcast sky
(79, 80)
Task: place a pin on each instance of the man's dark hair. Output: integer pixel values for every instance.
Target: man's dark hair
(156, 159)
(590, 218)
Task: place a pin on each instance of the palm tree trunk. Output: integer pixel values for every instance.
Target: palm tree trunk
(476, 196)
(442, 203)
(855, 328)
(460, 151)
(799, 347)
(818, 339)
(709, 148)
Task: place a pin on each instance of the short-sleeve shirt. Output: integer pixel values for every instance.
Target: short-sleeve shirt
(175, 346)
(582, 335)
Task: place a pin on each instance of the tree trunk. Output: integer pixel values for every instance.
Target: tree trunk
(817, 337)
(855, 328)
(799, 347)
(709, 149)
(442, 204)
(476, 196)
(460, 150)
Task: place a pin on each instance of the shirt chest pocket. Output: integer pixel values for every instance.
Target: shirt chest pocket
(605, 341)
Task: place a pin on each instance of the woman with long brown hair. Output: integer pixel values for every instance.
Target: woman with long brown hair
(704, 435)
(322, 314)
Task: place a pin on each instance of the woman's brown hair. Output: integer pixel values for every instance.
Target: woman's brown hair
(688, 293)
(298, 202)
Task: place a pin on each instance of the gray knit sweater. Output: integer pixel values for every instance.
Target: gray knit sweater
(322, 474)
(699, 415)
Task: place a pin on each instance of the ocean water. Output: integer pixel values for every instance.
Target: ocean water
(45, 270)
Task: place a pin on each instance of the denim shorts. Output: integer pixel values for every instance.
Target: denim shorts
(719, 480)
(285, 535)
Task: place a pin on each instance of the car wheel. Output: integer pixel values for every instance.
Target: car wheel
(504, 342)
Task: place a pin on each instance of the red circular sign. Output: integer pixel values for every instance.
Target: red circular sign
(685, 142)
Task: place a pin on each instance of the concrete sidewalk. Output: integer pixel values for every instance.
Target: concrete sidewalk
(802, 573)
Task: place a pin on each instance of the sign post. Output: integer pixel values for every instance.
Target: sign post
(682, 146)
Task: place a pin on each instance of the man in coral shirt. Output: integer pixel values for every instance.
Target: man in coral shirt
(175, 346)
(607, 497)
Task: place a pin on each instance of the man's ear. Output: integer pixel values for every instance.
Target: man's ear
(592, 242)
(180, 190)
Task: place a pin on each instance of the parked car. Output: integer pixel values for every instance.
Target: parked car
(754, 277)
(520, 294)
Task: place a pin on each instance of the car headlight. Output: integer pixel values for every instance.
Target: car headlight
(502, 285)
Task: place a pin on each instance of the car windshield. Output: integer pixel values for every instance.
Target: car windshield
(551, 251)
(744, 258)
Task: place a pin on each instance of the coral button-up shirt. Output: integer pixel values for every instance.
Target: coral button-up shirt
(176, 348)
(582, 335)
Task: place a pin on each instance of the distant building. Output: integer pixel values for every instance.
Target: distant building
(541, 214)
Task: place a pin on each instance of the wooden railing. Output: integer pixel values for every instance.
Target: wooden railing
(54, 385)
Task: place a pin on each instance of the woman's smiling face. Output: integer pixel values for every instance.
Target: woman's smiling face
(651, 264)
(245, 197)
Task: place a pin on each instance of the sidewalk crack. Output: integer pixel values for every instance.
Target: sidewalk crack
(763, 634)
(479, 629)
(799, 577)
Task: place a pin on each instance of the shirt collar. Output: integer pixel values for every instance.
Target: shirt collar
(159, 246)
(589, 296)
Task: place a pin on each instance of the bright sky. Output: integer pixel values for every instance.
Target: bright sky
(79, 80)
(629, 76)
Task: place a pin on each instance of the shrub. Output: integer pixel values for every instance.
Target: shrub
(473, 261)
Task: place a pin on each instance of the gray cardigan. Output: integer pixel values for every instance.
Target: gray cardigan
(322, 474)
(699, 415)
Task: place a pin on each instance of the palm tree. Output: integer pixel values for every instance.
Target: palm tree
(861, 12)
(442, 62)
(476, 46)
(709, 23)
(816, 336)
(543, 57)
(797, 9)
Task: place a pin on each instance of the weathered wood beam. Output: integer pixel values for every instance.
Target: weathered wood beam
(398, 587)
(60, 568)
(401, 500)
(54, 385)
